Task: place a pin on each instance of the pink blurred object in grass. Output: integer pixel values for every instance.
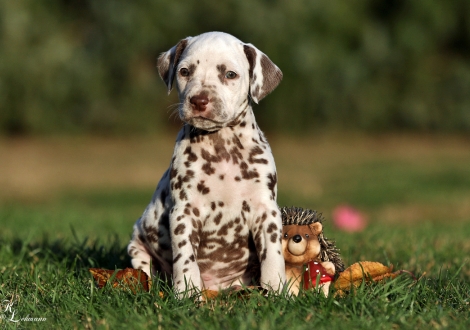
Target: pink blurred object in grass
(349, 219)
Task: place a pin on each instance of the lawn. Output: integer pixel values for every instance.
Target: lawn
(67, 204)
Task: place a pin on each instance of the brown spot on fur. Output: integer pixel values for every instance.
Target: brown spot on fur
(177, 258)
(272, 177)
(218, 218)
(182, 243)
(221, 177)
(274, 213)
(213, 206)
(222, 69)
(191, 68)
(236, 155)
(264, 255)
(221, 204)
(189, 175)
(202, 188)
(271, 228)
(192, 157)
(245, 206)
(208, 169)
(196, 211)
(236, 141)
(179, 229)
(253, 153)
(237, 120)
(274, 237)
(223, 231)
(247, 174)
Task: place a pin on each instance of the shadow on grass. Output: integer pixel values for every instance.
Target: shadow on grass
(75, 255)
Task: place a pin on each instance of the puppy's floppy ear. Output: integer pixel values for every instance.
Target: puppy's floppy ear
(167, 62)
(264, 74)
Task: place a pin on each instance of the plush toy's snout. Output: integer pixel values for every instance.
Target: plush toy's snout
(297, 245)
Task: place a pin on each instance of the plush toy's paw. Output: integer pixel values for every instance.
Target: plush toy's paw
(329, 266)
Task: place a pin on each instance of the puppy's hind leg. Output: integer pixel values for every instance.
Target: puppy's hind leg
(141, 258)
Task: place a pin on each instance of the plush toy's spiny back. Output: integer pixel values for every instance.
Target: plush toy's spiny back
(301, 217)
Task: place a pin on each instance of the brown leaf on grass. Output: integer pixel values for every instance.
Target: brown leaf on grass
(367, 271)
(356, 273)
(124, 278)
(209, 294)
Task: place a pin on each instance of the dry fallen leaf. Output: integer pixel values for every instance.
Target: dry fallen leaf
(368, 271)
(209, 294)
(124, 278)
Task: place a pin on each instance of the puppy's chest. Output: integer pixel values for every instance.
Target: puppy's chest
(220, 167)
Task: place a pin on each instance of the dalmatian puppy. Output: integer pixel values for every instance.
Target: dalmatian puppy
(213, 221)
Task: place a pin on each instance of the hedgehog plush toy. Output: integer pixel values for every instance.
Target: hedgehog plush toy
(310, 257)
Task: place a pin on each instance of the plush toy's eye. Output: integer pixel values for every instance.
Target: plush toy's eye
(285, 235)
(306, 235)
(230, 75)
(184, 72)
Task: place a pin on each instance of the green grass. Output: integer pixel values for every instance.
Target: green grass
(417, 201)
(49, 279)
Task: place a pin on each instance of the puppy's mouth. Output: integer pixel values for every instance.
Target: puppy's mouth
(204, 123)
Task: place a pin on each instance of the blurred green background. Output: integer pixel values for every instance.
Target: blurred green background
(373, 112)
(82, 66)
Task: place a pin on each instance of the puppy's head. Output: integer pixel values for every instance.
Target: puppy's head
(215, 75)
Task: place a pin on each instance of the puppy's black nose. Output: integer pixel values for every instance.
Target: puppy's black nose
(297, 238)
(199, 102)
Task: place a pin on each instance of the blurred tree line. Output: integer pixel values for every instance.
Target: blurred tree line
(88, 66)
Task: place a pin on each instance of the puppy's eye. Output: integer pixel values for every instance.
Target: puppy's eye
(285, 235)
(230, 75)
(184, 72)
